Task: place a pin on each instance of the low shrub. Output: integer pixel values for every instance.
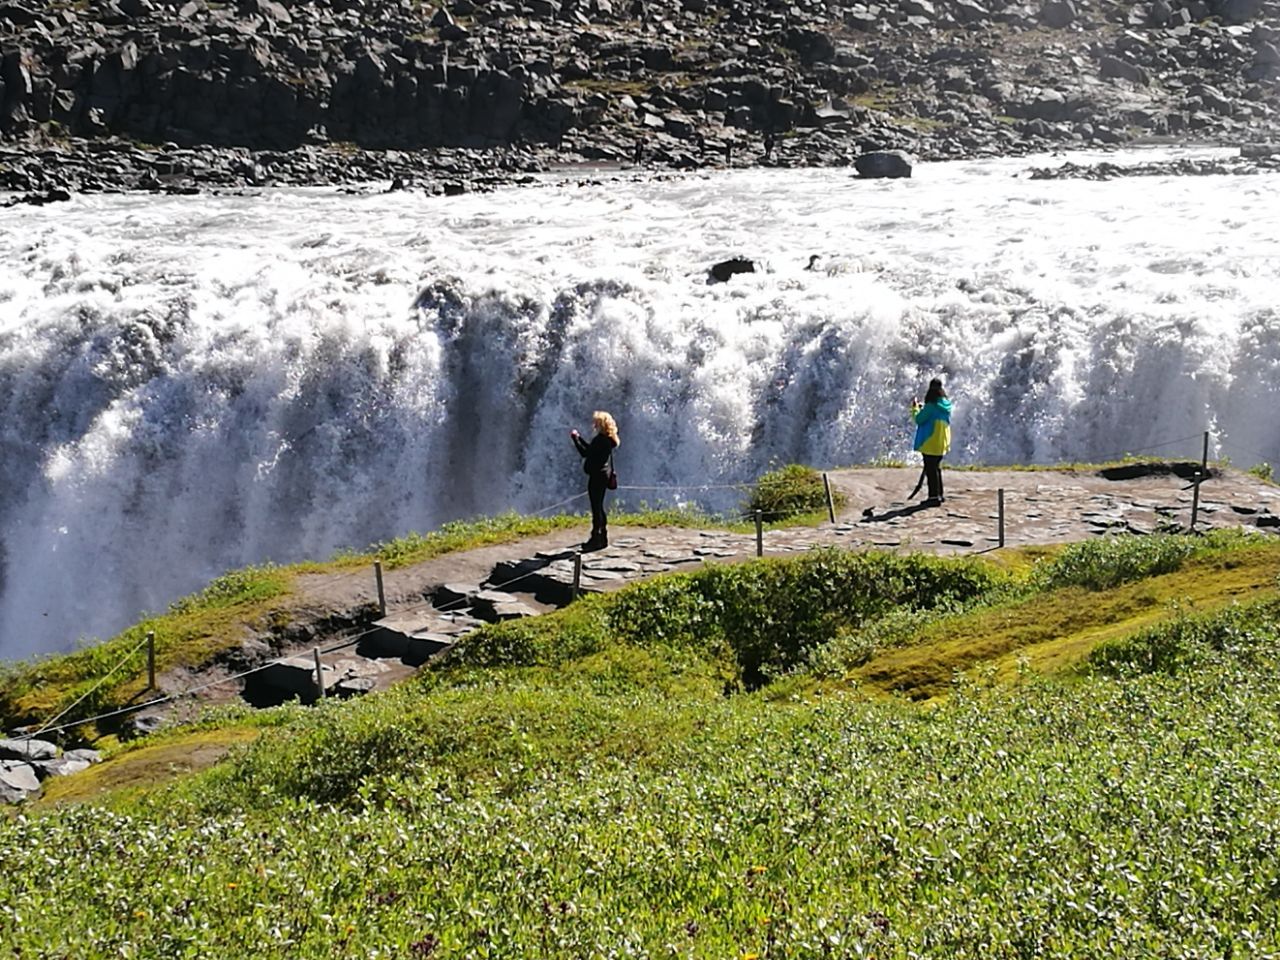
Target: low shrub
(791, 491)
(763, 617)
(1110, 561)
(1247, 633)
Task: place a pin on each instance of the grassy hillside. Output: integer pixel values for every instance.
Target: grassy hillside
(702, 766)
(252, 601)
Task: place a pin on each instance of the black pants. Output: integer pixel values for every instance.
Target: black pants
(597, 484)
(933, 474)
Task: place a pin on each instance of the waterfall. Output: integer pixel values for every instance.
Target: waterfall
(194, 384)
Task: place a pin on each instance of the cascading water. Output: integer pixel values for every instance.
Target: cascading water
(193, 384)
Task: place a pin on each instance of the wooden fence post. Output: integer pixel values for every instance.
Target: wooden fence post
(382, 596)
(319, 672)
(151, 660)
(577, 576)
(1000, 512)
(1195, 484)
(759, 534)
(831, 506)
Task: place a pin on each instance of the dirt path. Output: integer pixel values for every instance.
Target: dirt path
(1041, 506)
(432, 603)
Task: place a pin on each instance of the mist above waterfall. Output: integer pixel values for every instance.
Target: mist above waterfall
(193, 384)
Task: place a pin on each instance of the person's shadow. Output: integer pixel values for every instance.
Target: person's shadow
(870, 516)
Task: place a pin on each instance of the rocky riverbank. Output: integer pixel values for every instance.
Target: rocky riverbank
(183, 94)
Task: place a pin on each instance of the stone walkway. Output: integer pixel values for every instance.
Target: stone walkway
(432, 604)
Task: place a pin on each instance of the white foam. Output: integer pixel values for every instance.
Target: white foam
(192, 384)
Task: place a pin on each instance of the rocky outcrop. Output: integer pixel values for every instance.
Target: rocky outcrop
(675, 83)
(24, 763)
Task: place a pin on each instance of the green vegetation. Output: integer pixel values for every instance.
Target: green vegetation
(610, 85)
(194, 631)
(197, 629)
(1262, 471)
(703, 766)
(791, 491)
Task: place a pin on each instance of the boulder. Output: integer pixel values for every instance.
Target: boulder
(725, 269)
(1240, 11)
(18, 781)
(61, 767)
(883, 164)
(813, 46)
(1114, 68)
(27, 750)
(1057, 14)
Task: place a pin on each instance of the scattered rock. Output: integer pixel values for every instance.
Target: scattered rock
(178, 97)
(1057, 14)
(27, 750)
(354, 686)
(18, 781)
(722, 271)
(880, 164)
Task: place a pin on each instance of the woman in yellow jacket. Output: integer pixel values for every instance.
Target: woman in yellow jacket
(933, 436)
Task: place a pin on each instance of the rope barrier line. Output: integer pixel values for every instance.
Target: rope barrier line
(688, 486)
(1262, 457)
(349, 642)
(105, 677)
(52, 726)
(576, 496)
(1155, 446)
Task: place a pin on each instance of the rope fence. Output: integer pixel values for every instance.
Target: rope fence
(758, 517)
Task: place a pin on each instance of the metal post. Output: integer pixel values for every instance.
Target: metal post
(759, 534)
(319, 673)
(1000, 512)
(382, 597)
(1200, 478)
(577, 575)
(831, 506)
(151, 660)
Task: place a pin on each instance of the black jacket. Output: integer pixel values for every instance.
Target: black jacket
(595, 455)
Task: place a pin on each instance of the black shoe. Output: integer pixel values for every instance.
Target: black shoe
(932, 502)
(591, 545)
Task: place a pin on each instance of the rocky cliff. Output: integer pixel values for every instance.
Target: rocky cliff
(103, 93)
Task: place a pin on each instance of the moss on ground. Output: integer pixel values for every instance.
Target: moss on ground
(126, 777)
(1055, 631)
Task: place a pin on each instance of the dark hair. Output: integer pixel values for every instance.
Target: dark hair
(935, 391)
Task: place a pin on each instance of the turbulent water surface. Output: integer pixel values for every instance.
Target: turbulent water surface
(193, 384)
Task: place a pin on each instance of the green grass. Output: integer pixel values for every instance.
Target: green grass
(252, 601)
(605, 782)
(535, 813)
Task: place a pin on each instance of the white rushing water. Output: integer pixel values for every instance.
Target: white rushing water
(193, 384)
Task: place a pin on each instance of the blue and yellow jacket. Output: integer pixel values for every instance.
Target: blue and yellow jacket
(933, 427)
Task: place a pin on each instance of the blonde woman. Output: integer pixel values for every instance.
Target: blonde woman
(597, 464)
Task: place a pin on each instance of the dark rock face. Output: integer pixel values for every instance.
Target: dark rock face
(260, 92)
